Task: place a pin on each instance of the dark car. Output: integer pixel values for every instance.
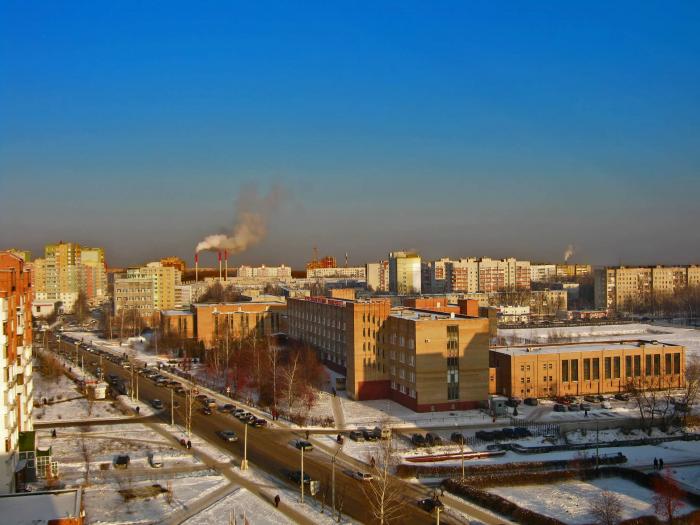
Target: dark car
(157, 404)
(295, 476)
(508, 433)
(574, 408)
(522, 432)
(484, 435)
(228, 407)
(259, 423)
(457, 437)
(559, 407)
(303, 445)
(418, 440)
(590, 399)
(369, 435)
(356, 435)
(513, 402)
(585, 406)
(433, 439)
(430, 504)
(622, 396)
(228, 435)
(122, 461)
(531, 401)
(206, 411)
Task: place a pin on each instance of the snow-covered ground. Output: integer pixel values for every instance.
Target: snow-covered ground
(67, 402)
(569, 501)
(688, 337)
(246, 508)
(689, 476)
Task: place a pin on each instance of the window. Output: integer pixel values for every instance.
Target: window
(586, 369)
(668, 363)
(637, 365)
(608, 368)
(628, 366)
(574, 369)
(452, 377)
(453, 338)
(616, 367)
(657, 364)
(596, 369)
(647, 365)
(677, 363)
(565, 370)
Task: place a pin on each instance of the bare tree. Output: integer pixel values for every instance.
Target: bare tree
(691, 391)
(646, 395)
(290, 372)
(384, 493)
(668, 497)
(85, 453)
(606, 508)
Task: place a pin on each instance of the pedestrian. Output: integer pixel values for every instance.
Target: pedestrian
(656, 464)
(661, 464)
(307, 434)
(189, 444)
(585, 413)
(371, 462)
(138, 410)
(277, 500)
(442, 490)
(53, 433)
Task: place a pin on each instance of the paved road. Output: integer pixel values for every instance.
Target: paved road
(271, 451)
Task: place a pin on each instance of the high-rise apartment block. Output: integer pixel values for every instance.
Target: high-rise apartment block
(351, 272)
(68, 269)
(147, 289)
(404, 273)
(474, 275)
(542, 272)
(16, 386)
(621, 287)
(424, 359)
(263, 271)
(377, 275)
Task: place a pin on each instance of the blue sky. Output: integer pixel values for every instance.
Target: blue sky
(455, 128)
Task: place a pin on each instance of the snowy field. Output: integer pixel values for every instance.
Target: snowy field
(246, 508)
(688, 337)
(568, 501)
(688, 476)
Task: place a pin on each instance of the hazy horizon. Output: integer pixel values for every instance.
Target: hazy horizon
(458, 129)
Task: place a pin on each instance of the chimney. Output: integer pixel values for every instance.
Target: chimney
(196, 267)
(219, 266)
(225, 265)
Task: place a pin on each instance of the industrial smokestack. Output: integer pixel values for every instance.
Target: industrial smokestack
(219, 266)
(225, 265)
(196, 267)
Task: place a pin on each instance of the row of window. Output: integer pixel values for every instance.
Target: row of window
(611, 367)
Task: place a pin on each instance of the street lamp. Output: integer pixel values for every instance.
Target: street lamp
(333, 480)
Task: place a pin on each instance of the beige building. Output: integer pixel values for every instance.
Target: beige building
(618, 288)
(377, 275)
(585, 368)
(147, 289)
(426, 360)
(215, 322)
(404, 273)
(573, 270)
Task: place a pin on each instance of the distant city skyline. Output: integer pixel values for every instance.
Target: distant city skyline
(459, 129)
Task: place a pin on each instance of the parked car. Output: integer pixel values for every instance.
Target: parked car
(606, 404)
(356, 435)
(228, 435)
(418, 440)
(457, 437)
(590, 399)
(430, 504)
(586, 406)
(304, 445)
(573, 407)
(295, 476)
(621, 396)
(559, 407)
(153, 462)
(531, 401)
(206, 411)
(484, 435)
(157, 404)
(259, 423)
(362, 476)
(508, 433)
(228, 407)
(382, 432)
(513, 402)
(522, 432)
(368, 435)
(433, 439)
(122, 461)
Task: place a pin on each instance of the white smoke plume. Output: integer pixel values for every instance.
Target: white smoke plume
(250, 224)
(569, 252)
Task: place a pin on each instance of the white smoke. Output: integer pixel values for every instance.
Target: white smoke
(250, 224)
(569, 252)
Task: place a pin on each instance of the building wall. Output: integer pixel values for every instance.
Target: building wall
(181, 324)
(404, 273)
(377, 276)
(214, 321)
(16, 384)
(528, 375)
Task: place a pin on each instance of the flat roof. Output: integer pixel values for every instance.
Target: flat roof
(36, 508)
(578, 347)
(176, 312)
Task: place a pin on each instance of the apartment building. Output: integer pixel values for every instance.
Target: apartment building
(585, 368)
(573, 270)
(404, 273)
(352, 272)
(147, 289)
(462, 276)
(503, 274)
(617, 288)
(175, 262)
(16, 385)
(434, 276)
(377, 276)
(542, 272)
(426, 360)
(253, 272)
(68, 269)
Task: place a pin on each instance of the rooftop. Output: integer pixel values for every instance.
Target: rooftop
(579, 347)
(36, 508)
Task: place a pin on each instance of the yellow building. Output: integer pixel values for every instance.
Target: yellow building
(147, 289)
(404, 273)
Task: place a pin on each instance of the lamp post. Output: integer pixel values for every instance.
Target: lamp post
(301, 479)
(333, 480)
(244, 463)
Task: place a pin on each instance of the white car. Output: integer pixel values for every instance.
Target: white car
(606, 404)
(362, 476)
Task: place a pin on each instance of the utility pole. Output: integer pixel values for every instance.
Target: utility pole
(333, 481)
(301, 479)
(244, 463)
(461, 449)
(437, 515)
(172, 407)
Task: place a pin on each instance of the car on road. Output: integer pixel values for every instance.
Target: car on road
(180, 390)
(201, 397)
(559, 407)
(531, 401)
(157, 404)
(368, 435)
(356, 435)
(513, 402)
(430, 504)
(243, 416)
(574, 408)
(238, 412)
(362, 476)
(228, 435)
(418, 440)
(228, 407)
(259, 423)
(122, 461)
(295, 476)
(304, 445)
(206, 411)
